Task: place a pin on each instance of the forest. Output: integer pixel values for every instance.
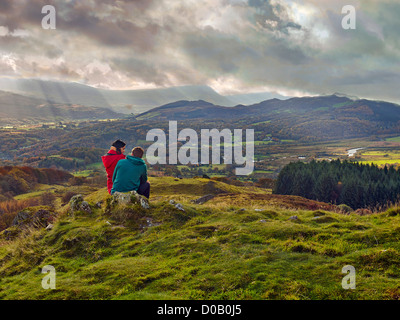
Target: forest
(19, 180)
(341, 182)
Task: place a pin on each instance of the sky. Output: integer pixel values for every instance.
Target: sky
(293, 48)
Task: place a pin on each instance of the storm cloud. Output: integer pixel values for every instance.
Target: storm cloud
(234, 46)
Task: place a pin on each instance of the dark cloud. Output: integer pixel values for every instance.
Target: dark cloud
(23, 14)
(292, 45)
(216, 53)
(272, 16)
(6, 6)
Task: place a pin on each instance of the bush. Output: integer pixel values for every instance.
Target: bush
(67, 196)
(77, 181)
(363, 212)
(391, 212)
(345, 209)
(47, 199)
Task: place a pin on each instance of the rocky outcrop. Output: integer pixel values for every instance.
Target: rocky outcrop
(77, 204)
(203, 199)
(177, 205)
(31, 218)
(130, 198)
(26, 219)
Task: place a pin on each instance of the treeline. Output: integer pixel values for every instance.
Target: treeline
(90, 155)
(19, 180)
(73, 159)
(356, 185)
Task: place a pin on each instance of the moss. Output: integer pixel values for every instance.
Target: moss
(392, 212)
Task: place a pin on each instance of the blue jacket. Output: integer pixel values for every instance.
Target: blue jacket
(128, 174)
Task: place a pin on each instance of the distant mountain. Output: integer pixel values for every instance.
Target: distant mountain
(125, 101)
(181, 110)
(19, 109)
(320, 106)
(252, 98)
(322, 117)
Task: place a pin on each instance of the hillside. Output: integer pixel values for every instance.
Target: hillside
(243, 244)
(17, 109)
(323, 107)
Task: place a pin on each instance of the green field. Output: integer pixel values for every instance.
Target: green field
(395, 139)
(380, 158)
(39, 190)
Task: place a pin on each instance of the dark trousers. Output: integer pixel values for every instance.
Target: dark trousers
(144, 189)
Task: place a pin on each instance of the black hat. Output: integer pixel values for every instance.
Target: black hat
(119, 144)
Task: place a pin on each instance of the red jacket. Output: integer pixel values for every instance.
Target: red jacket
(110, 161)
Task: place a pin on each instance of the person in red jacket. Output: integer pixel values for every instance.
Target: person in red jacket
(110, 160)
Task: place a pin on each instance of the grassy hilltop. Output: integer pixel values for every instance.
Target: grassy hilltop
(243, 244)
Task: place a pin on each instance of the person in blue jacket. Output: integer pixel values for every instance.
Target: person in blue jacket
(131, 174)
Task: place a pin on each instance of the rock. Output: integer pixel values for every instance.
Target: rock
(122, 198)
(21, 217)
(78, 204)
(137, 198)
(172, 201)
(43, 217)
(86, 207)
(27, 218)
(75, 202)
(150, 223)
(203, 199)
(258, 210)
(293, 218)
(98, 204)
(131, 197)
(50, 226)
(179, 207)
(144, 203)
(263, 221)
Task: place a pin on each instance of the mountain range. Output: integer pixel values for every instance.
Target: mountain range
(124, 101)
(17, 109)
(326, 117)
(322, 117)
(322, 107)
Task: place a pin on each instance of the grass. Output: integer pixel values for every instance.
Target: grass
(39, 190)
(232, 247)
(83, 173)
(380, 158)
(394, 139)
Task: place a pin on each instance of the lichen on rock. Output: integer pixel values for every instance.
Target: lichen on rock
(78, 204)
